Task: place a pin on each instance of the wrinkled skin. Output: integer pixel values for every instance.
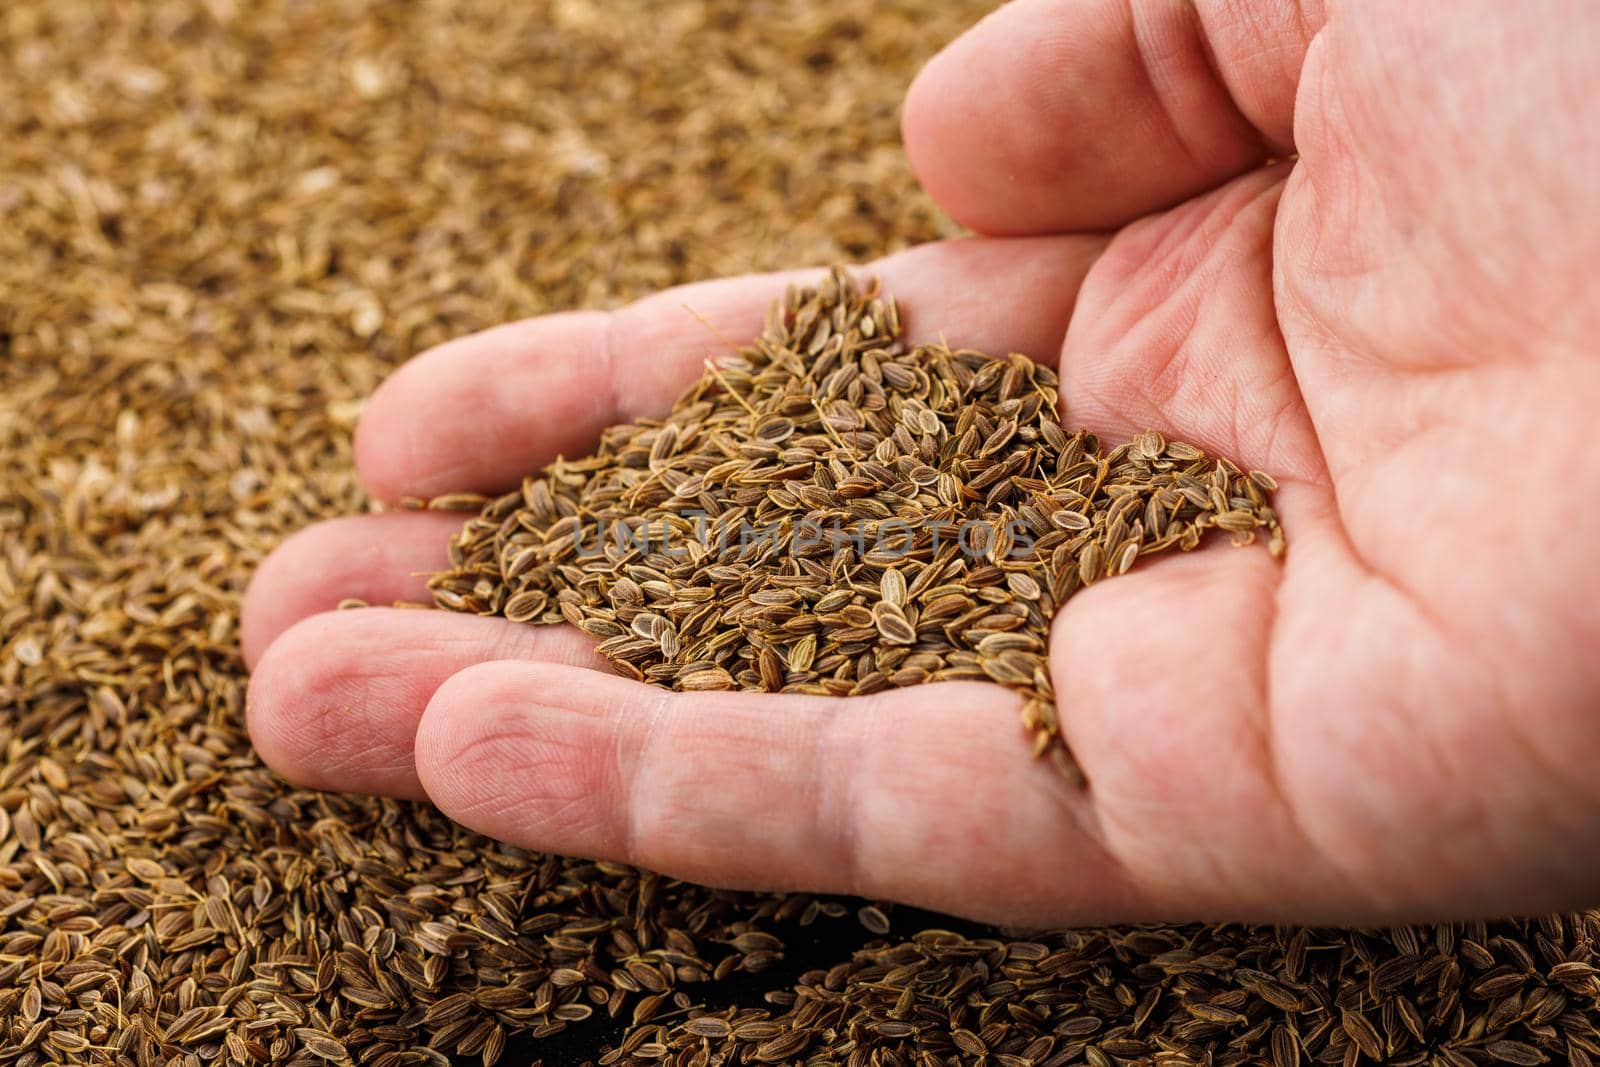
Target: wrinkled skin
(1399, 321)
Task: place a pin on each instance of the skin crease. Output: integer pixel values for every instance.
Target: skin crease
(1401, 721)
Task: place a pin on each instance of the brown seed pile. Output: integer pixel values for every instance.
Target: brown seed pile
(221, 224)
(1440, 996)
(836, 512)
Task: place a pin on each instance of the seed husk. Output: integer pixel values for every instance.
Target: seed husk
(873, 919)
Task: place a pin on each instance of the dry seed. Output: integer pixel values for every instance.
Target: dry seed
(707, 1026)
(873, 919)
(892, 624)
(714, 678)
(1519, 1052)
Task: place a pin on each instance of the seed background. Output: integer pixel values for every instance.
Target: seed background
(221, 224)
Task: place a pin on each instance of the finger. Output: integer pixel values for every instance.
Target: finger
(1221, 748)
(929, 796)
(1162, 675)
(1058, 115)
(1163, 680)
(481, 412)
(335, 700)
(377, 558)
(1176, 329)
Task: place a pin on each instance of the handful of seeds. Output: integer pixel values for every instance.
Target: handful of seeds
(836, 512)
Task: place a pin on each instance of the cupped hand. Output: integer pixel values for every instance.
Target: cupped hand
(1396, 318)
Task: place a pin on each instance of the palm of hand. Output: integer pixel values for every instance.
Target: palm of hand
(1397, 720)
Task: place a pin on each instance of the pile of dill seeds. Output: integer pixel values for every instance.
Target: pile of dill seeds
(1467, 995)
(835, 512)
(224, 224)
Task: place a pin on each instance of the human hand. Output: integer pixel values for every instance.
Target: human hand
(1401, 720)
